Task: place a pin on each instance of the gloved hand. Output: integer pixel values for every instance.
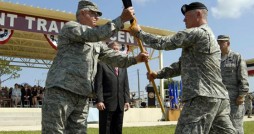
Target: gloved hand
(239, 100)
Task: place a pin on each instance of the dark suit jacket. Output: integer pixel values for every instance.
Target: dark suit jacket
(25, 92)
(110, 88)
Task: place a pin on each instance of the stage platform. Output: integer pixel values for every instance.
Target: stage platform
(15, 119)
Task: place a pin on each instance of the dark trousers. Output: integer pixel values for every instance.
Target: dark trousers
(111, 122)
(24, 102)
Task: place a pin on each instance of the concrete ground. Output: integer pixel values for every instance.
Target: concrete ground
(95, 125)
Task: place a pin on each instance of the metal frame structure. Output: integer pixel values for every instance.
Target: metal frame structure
(31, 49)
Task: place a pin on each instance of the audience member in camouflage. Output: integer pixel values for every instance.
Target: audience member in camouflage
(70, 79)
(206, 109)
(248, 104)
(234, 76)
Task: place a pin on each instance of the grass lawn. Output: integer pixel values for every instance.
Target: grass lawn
(248, 129)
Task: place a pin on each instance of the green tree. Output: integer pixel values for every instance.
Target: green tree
(11, 72)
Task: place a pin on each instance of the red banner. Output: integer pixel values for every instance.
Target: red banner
(30, 23)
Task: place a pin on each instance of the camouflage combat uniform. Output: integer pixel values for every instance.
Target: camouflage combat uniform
(234, 76)
(248, 104)
(206, 109)
(71, 76)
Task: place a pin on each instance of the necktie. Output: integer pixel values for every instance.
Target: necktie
(116, 71)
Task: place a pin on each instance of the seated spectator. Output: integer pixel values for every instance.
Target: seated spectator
(4, 93)
(4, 96)
(34, 95)
(26, 95)
(40, 94)
(10, 92)
(16, 95)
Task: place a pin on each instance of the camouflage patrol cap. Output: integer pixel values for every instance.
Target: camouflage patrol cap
(223, 37)
(192, 6)
(86, 4)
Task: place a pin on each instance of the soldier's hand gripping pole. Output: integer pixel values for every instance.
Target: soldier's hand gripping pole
(128, 3)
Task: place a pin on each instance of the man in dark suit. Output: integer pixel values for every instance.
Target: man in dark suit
(112, 90)
(26, 98)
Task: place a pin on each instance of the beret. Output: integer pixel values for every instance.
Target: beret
(192, 6)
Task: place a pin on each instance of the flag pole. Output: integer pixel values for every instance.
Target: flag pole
(128, 3)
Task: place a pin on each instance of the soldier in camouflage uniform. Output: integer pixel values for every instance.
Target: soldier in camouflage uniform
(206, 102)
(248, 104)
(234, 76)
(70, 79)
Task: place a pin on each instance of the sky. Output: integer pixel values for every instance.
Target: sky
(231, 17)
